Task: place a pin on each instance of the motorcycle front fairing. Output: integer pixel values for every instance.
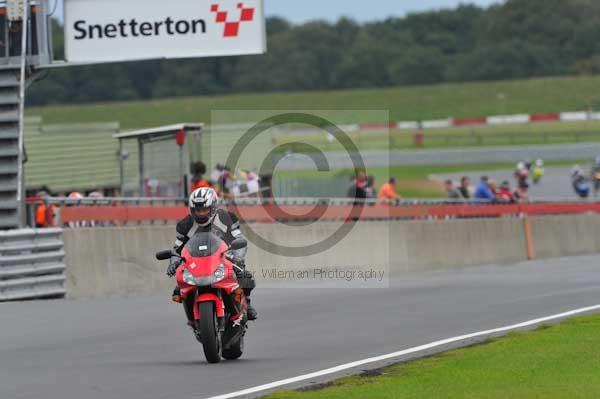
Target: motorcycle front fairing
(206, 270)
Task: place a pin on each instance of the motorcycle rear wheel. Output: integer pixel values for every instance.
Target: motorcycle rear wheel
(211, 338)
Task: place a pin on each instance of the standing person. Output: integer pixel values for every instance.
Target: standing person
(371, 192)
(504, 194)
(198, 170)
(387, 192)
(358, 191)
(358, 188)
(493, 187)
(44, 214)
(521, 194)
(465, 187)
(452, 192)
(483, 192)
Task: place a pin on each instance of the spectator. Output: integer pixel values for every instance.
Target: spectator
(483, 192)
(493, 187)
(358, 188)
(387, 192)
(96, 194)
(198, 170)
(44, 214)
(216, 175)
(371, 193)
(453, 192)
(465, 187)
(521, 194)
(504, 194)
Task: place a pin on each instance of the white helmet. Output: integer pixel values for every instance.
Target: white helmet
(539, 163)
(576, 171)
(203, 205)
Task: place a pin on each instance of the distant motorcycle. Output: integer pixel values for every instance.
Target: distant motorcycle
(538, 171)
(580, 183)
(207, 279)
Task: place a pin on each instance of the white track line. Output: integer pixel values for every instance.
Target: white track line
(347, 366)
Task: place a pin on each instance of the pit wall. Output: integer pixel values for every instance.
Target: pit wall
(120, 261)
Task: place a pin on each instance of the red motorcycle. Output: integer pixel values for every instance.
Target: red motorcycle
(209, 289)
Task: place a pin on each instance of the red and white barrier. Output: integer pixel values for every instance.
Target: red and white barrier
(508, 119)
(495, 120)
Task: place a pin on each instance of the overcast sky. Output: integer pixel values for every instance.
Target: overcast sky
(362, 10)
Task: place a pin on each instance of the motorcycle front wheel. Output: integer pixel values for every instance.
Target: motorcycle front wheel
(211, 338)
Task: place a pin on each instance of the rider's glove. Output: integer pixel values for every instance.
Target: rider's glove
(172, 269)
(236, 260)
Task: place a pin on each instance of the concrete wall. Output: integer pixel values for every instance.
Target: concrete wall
(456, 243)
(120, 261)
(561, 235)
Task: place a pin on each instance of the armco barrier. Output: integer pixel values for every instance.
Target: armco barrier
(120, 260)
(31, 264)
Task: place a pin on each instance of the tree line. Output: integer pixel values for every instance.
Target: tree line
(517, 39)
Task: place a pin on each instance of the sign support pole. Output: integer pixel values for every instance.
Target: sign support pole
(21, 140)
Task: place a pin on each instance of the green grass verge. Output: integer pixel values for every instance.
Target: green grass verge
(413, 181)
(404, 103)
(561, 361)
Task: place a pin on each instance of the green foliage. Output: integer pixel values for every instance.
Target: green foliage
(518, 39)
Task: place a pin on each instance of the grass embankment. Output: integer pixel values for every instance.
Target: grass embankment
(404, 103)
(561, 361)
(534, 134)
(413, 181)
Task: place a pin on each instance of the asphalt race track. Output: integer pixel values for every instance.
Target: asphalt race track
(140, 347)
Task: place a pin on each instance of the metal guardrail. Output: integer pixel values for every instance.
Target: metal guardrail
(63, 201)
(118, 211)
(32, 264)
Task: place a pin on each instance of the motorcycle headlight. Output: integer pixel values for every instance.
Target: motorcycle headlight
(217, 276)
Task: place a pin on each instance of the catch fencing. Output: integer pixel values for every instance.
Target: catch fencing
(32, 264)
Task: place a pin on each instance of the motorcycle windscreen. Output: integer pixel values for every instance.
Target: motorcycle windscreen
(204, 244)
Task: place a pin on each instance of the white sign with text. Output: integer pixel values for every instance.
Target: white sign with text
(129, 30)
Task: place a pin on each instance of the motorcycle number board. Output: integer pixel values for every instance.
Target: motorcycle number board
(130, 30)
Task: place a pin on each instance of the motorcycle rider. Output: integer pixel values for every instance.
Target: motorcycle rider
(580, 184)
(206, 216)
(538, 171)
(521, 173)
